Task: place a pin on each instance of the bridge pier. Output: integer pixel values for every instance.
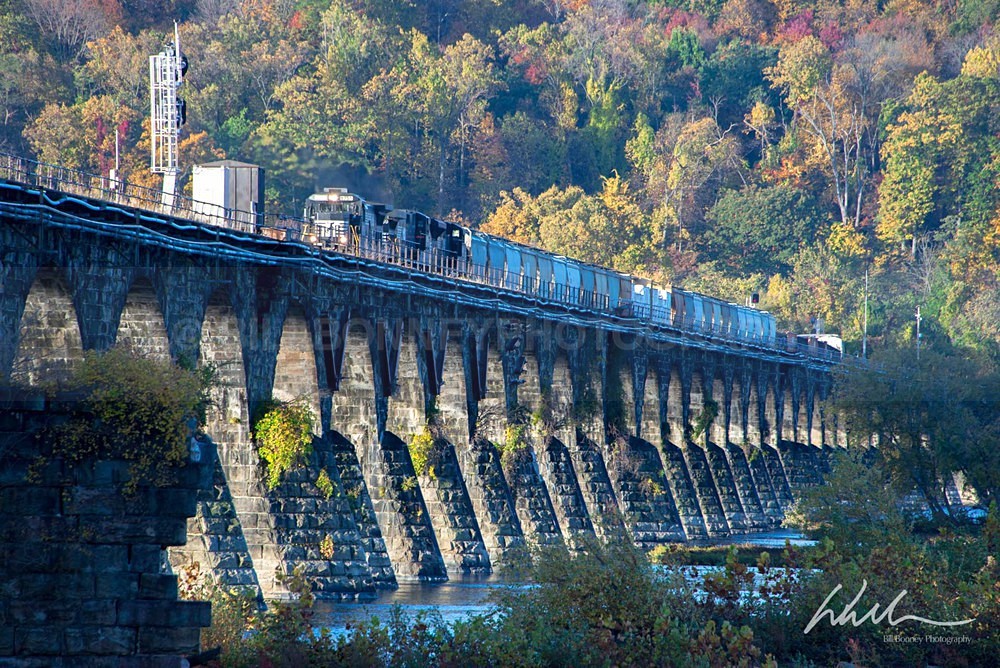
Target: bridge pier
(605, 407)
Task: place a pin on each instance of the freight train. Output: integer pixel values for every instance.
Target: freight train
(345, 222)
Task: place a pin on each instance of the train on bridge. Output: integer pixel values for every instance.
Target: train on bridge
(229, 195)
(345, 222)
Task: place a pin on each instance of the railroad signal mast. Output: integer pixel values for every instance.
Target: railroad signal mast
(167, 114)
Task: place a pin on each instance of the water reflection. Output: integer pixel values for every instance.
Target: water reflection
(459, 598)
(465, 596)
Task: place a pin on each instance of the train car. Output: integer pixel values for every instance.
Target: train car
(602, 281)
(642, 299)
(741, 324)
(729, 320)
(573, 281)
(529, 270)
(689, 310)
(496, 261)
(756, 326)
(479, 256)
(587, 281)
(717, 322)
(512, 275)
(698, 322)
(546, 269)
(615, 293)
(770, 328)
(559, 280)
(410, 228)
(660, 300)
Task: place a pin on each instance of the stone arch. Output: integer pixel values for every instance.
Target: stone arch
(817, 397)
(803, 419)
(141, 327)
(676, 402)
(651, 428)
(295, 373)
(49, 344)
(353, 413)
(717, 432)
(220, 537)
(750, 423)
(769, 428)
(222, 347)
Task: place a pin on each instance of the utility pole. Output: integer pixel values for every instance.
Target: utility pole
(918, 332)
(864, 336)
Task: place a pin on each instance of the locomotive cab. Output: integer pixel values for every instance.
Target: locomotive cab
(454, 241)
(411, 228)
(335, 216)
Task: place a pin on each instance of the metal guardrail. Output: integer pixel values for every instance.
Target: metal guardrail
(394, 252)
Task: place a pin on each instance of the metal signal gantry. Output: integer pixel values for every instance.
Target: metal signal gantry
(167, 114)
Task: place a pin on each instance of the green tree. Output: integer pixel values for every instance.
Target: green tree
(931, 416)
(704, 159)
(761, 230)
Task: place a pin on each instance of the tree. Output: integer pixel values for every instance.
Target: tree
(704, 158)
(443, 96)
(608, 229)
(514, 218)
(932, 416)
(117, 64)
(937, 163)
(838, 99)
(732, 80)
(73, 23)
(761, 230)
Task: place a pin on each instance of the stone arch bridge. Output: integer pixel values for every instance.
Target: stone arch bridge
(629, 429)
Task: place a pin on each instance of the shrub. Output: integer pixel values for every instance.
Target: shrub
(283, 435)
(134, 409)
(326, 547)
(706, 416)
(424, 452)
(514, 448)
(324, 484)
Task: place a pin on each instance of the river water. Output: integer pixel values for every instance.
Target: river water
(465, 596)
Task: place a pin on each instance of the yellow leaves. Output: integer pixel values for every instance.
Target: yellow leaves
(513, 219)
(802, 66)
(983, 61)
(423, 452)
(846, 241)
(283, 436)
(567, 107)
(760, 119)
(51, 135)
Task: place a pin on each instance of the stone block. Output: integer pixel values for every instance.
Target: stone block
(38, 641)
(43, 587)
(157, 586)
(97, 559)
(153, 640)
(102, 640)
(116, 585)
(145, 558)
(33, 528)
(175, 502)
(181, 614)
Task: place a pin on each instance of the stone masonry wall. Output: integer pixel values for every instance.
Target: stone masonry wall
(80, 564)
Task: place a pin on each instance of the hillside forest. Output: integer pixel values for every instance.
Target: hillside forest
(785, 147)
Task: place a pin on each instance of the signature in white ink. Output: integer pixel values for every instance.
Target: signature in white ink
(849, 615)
